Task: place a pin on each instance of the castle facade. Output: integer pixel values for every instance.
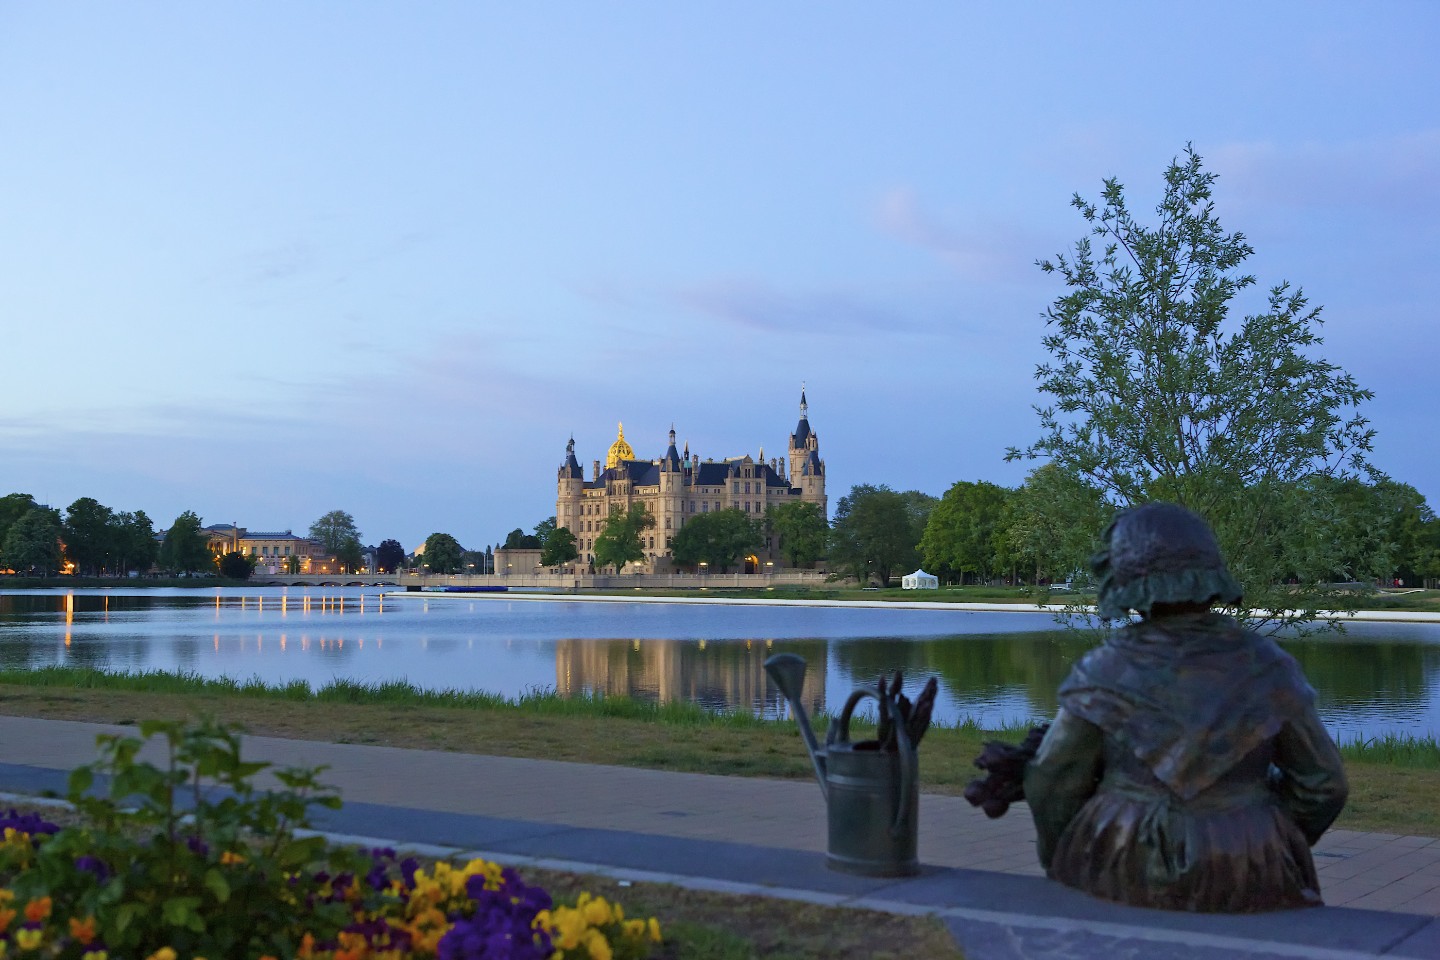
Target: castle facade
(680, 485)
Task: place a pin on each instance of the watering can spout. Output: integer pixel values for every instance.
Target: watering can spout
(787, 672)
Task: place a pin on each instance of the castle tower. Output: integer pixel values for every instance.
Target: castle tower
(569, 491)
(807, 470)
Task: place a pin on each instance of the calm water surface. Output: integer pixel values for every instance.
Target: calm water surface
(997, 668)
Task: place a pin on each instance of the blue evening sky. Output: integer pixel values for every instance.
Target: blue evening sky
(265, 260)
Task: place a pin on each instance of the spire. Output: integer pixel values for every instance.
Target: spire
(802, 429)
(672, 459)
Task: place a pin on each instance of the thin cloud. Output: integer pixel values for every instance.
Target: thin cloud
(977, 253)
(756, 306)
(1385, 174)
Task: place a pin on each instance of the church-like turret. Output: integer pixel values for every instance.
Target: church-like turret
(571, 489)
(807, 470)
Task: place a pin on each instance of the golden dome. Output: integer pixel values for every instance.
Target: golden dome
(619, 450)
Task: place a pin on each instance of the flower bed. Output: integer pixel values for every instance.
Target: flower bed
(142, 876)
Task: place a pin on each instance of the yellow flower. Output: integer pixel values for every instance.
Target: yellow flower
(96, 955)
(597, 912)
(597, 946)
(654, 929)
(164, 953)
(230, 857)
(28, 938)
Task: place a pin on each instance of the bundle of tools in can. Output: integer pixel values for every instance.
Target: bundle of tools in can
(871, 787)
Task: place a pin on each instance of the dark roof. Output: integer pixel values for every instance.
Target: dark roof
(672, 457)
(802, 432)
(710, 473)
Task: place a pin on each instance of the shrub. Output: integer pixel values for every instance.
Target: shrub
(178, 861)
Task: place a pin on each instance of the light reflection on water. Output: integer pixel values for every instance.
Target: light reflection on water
(997, 668)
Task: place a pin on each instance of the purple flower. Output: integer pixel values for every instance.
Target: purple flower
(93, 865)
(30, 823)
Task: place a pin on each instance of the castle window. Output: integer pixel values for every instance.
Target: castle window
(705, 506)
(667, 523)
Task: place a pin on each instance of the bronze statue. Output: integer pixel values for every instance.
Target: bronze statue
(1187, 768)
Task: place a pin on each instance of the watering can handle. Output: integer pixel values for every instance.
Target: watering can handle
(839, 732)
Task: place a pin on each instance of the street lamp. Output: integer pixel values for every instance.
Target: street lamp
(704, 568)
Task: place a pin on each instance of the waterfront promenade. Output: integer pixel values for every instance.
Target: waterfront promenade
(767, 837)
(1379, 616)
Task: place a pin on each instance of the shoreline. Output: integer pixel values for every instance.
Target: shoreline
(1370, 616)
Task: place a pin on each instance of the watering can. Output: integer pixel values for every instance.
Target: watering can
(872, 796)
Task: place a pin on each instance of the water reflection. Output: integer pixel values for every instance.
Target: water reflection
(1001, 668)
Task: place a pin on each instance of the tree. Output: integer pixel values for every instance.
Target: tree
(719, 539)
(292, 564)
(389, 555)
(559, 548)
(186, 548)
(32, 543)
(13, 506)
(544, 529)
(518, 539)
(802, 530)
(235, 565)
(88, 535)
(1052, 524)
(335, 530)
(619, 540)
(1159, 394)
(875, 532)
(964, 533)
(443, 553)
(135, 546)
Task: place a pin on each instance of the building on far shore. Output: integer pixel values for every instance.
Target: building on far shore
(271, 550)
(679, 485)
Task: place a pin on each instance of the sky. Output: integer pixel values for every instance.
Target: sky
(265, 260)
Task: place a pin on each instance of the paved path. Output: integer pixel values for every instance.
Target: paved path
(549, 596)
(768, 836)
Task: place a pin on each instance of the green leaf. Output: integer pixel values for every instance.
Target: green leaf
(216, 883)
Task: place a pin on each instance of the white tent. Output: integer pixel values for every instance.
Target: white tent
(919, 580)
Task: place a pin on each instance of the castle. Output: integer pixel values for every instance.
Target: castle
(679, 485)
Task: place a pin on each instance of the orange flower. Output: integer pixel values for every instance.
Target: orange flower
(229, 857)
(6, 915)
(83, 930)
(37, 910)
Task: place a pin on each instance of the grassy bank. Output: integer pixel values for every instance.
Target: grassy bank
(1395, 782)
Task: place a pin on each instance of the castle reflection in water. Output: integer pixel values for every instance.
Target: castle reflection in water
(728, 675)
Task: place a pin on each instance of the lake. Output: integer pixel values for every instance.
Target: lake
(995, 667)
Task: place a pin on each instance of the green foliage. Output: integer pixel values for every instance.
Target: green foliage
(335, 531)
(619, 541)
(89, 540)
(876, 531)
(965, 531)
(518, 539)
(559, 548)
(154, 873)
(32, 543)
(186, 548)
(134, 542)
(1158, 394)
(236, 565)
(389, 555)
(443, 553)
(802, 529)
(1052, 524)
(719, 539)
(13, 506)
